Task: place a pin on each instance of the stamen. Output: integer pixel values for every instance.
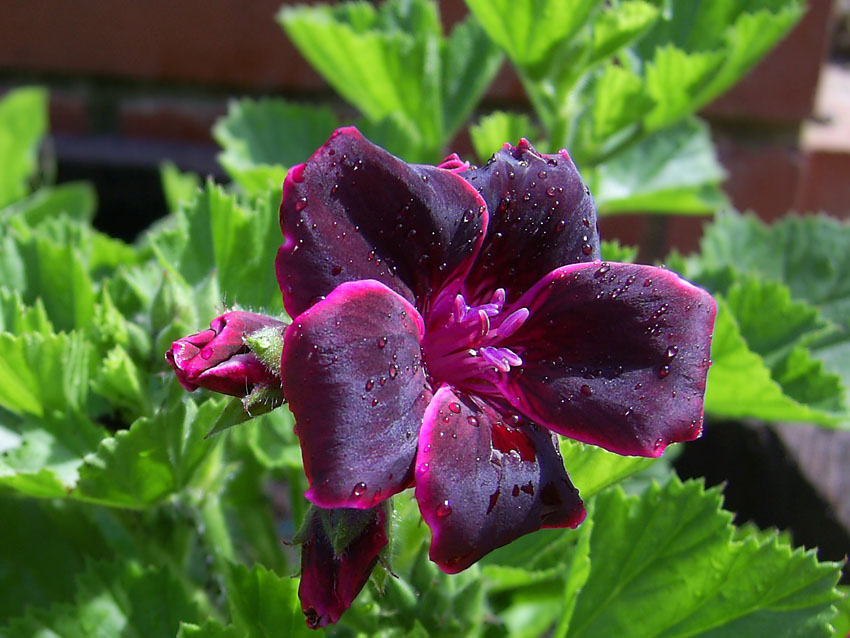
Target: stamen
(513, 322)
(483, 324)
(461, 344)
(459, 309)
(498, 298)
(494, 357)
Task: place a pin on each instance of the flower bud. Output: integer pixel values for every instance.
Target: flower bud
(339, 549)
(218, 359)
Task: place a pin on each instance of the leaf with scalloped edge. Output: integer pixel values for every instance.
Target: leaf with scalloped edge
(669, 558)
(152, 460)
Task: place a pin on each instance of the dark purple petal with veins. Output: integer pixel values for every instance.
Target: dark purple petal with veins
(484, 479)
(615, 355)
(541, 217)
(355, 382)
(354, 211)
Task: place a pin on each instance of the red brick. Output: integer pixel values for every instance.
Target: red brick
(763, 171)
(218, 42)
(185, 120)
(826, 184)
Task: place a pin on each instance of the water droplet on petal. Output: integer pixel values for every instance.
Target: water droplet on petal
(586, 390)
(586, 249)
(444, 509)
(301, 204)
(454, 407)
(370, 384)
(359, 489)
(472, 420)
(672, 351)
(658, 443)
(336, 270)
(382, 342)
(206, 354)
(393, 371)
(663, 371)
(422, 469)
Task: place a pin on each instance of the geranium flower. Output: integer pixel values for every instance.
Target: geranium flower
(449, 320)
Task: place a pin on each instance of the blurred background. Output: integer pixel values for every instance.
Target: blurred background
(129, 89)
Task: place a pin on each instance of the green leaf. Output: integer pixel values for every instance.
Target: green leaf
(619, 100)
(44, 375)
(210, 629)
(48, 538)
(668, 557)
(23, 122)
(178, 187)
(674, 79)
(40, 266)
(470, 61)
(382, 61)
(262, 139)
(592, 469)
(739, 32)
(122, 383)
(151, 461)
(232, 241)
(672, 171)
(740, 384)
(17, 318)
(494, 130)
(810, 255)
(263, 604)
(841, 624)
(77, 200)
(113, 599)
(619, 26)
(272, 439)
(530, 32)
(613, 251)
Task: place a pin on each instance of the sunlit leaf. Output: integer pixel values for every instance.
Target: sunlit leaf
(491, 132)
(23, 122)
(152, 460)
(262, 139)
(673, 171)
(668, 557)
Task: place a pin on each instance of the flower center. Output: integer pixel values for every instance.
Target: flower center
(461, 345)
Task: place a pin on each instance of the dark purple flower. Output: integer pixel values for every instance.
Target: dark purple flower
(338, 552)
(219, 360)
(448, 321)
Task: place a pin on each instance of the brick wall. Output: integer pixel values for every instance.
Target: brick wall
(135, 82)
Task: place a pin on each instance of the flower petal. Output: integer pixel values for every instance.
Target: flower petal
(615, 355)
(541, 217)
(355, 383)
(354, 211)
(481, 482)
(330, 581)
